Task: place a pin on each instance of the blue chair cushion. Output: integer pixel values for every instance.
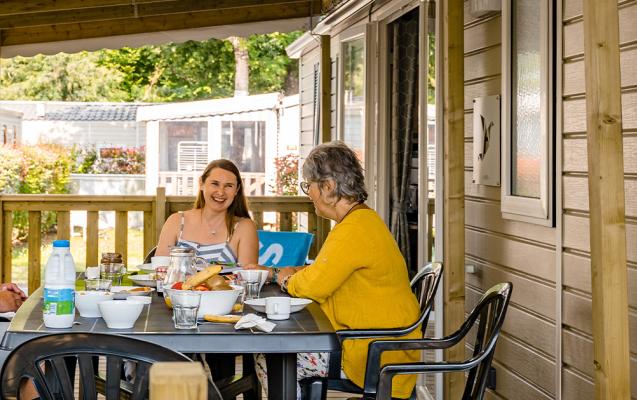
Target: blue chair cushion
(283, 249)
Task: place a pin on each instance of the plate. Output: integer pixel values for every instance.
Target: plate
(143, 280)
(122, 292)
(296, 304)
(146, 267)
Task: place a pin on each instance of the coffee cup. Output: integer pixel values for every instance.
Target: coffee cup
(159, 261)
(277, 308)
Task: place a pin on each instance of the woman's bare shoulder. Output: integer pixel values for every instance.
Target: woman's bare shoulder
(244, 225)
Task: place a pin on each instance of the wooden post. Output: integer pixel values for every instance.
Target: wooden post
(160, 211)
(7, 256)
(149, 232)
(92, 238)
(35, 239)
(178, 380)
(606, 198)
(63, 225)
(453, 210)
(121, 234)
(325, 107)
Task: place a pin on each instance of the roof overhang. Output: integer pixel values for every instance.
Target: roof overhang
(49, 26)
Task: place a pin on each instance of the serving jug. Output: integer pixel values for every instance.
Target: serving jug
(182, 265)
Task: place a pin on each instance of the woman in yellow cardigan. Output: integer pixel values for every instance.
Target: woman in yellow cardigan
(359, 277)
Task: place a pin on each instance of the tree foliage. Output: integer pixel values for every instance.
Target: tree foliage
(169, 72)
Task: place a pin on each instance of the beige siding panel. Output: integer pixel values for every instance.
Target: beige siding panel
(575, 113)
(520, 324)
(482, 191)
(468, 123)
(576, 236)
(576, 194)
(482, 35)
(527, 293)
(577, 351)
(468, 155)
(512, 386)
(488, 216)
(577, 274)
(576, 387)
(576, 157)
(482, 64)
(577, 314)
(515, 255)
(487, 87)
(574, 33)
(572, 9)
(574, 73)
(534, 367)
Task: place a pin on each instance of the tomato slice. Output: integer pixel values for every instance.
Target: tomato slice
(177, 286)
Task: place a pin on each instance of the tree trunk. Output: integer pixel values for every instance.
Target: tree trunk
(241, 76)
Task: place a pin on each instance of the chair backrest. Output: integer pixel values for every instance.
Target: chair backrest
(491, 311)
(150, 255)
(425, 285)
(284, 249)
(45, 360)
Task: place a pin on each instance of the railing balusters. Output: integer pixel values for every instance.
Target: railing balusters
(121, 234)
(285, 221)
(312, 228)
(149, 232)
(258, 219)
(160, 211)
(7, 233)
(92, 238)
(34, 242)
(63, 225)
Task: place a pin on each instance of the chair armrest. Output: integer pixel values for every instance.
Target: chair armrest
(347, 334)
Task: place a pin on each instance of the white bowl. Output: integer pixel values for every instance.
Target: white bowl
(144, 280)
(252, 275)
(141, 299)
(120, 314)
(296, 304)
(216, 302)
(86, 302)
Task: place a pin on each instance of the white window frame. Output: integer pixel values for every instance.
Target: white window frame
(533, 210)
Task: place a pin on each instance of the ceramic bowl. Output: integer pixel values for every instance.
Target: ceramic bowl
(86, 302)
(251, 275)
(119, 314)
(216, 302)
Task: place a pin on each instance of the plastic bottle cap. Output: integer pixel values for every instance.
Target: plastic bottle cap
(61, 243)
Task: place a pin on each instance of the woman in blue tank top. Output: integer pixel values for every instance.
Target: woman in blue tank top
(219, 226)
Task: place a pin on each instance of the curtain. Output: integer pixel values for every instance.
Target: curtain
(404, 119)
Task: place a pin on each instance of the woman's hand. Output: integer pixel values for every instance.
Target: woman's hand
(12, 287)
(9, 301)
(284, 273)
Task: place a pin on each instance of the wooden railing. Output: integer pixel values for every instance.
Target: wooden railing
(155, 210)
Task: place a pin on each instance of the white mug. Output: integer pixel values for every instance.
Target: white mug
(277, 308)
(159, 261)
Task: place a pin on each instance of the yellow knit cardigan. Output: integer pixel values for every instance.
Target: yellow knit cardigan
(360, 280)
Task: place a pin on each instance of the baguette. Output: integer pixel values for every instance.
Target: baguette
(230, 319)
(201, 276)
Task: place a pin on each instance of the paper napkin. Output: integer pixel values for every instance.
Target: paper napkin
(92, 272)
(254, 321)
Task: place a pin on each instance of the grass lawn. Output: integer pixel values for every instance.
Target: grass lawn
(106, 243)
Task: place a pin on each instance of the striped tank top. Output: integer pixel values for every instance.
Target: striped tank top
(210, 252)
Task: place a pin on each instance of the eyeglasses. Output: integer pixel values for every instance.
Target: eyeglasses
(305, 187)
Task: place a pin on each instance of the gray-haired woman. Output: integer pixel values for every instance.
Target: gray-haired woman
(359, 277)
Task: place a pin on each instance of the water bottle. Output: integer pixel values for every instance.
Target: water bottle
(58, 308)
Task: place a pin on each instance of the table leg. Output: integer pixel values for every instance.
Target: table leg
(281, 376)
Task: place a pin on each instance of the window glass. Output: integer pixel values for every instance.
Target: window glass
(526, 98)
(243, 142)
(354, 96)
(172, 137)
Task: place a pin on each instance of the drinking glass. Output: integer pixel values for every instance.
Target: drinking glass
(250, 290)
(185, 307)
(112, 271)
(103, 285)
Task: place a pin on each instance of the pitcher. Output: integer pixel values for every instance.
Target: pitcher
(182, 265)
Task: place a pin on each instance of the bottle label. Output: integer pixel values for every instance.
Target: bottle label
(59, 301)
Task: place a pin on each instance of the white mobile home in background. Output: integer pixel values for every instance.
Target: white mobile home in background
(10, 126)
(181, 139)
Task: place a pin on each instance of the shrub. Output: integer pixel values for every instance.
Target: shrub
(38, 169)
(110, 160)
(287, 174)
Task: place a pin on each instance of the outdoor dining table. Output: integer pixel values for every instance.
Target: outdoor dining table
(308, 330)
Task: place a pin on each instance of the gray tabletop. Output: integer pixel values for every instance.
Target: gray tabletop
(306, 330)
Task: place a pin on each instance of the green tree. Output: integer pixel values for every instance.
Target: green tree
(65, 77)
(271, 70)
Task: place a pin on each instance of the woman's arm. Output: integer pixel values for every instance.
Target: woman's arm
(248, 243)
(168, 235)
